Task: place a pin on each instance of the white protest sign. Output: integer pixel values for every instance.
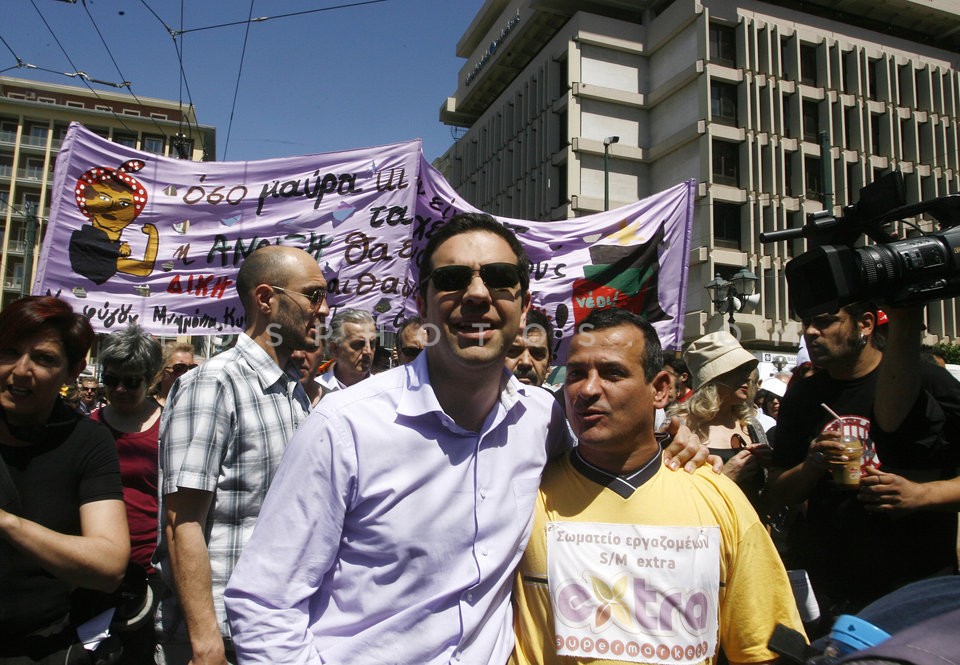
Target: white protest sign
(645, 594)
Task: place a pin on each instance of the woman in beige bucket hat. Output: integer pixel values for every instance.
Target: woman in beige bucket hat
(720, 411)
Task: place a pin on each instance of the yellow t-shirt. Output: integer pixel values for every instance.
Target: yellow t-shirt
(754, 592)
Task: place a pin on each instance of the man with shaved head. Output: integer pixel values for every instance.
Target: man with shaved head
(221, 438)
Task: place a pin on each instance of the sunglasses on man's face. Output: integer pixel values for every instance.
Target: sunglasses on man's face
(411, 351)
(457, 278)
(128, 382)
(180, 368)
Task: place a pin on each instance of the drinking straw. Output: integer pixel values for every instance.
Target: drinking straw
(830, 411)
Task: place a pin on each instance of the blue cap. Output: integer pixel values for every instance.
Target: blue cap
(851, 634)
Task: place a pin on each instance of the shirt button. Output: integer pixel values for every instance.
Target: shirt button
(470, 597)
(483, 494)
(483, 551)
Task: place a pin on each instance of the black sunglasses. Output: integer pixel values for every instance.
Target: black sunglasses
(457, 278)
(411, 351)
(180, 368)
(129, 382)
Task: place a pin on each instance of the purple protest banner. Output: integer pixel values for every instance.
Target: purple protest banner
(139, 237)
(635, 257)
(135, 236)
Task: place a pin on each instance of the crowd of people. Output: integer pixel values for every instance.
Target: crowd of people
(289, 500)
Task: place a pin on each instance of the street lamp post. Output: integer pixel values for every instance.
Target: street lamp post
(732, 296)
(606, 169)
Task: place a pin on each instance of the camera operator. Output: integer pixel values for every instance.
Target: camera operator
(853, 542)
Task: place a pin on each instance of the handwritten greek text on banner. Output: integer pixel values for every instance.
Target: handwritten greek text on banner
(137, 236)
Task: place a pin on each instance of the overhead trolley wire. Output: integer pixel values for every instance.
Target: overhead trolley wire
(184, 84)
(261, 19)
(77, 73)
(126, 84)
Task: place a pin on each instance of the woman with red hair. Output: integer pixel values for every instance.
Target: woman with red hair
(62, 520)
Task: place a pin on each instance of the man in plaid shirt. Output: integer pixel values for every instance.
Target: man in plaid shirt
(222, 435)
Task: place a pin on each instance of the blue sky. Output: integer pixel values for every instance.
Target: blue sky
(348, 77)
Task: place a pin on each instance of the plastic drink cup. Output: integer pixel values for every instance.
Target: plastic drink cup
(847, 474)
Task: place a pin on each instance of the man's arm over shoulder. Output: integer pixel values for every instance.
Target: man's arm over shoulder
(294, 544)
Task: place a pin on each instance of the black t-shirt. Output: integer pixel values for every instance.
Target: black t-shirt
(850, 554)
(72, 461)
(93, 254)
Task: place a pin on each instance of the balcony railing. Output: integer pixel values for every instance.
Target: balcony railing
(10, 138)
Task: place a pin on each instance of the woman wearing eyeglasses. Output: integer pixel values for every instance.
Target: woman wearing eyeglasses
(129, 359)
(720, 411)
(62, 519)
(177, 361)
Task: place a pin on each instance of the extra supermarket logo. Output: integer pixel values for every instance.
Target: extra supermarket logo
(632, 604)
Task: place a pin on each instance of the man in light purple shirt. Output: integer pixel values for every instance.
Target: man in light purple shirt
(402, 505)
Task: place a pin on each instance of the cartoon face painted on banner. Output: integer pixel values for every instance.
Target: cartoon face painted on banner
(622, 276)
(111, 199)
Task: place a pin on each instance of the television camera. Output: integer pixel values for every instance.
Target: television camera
(834, 272)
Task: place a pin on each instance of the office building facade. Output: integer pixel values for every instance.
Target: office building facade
(776, 109)
(34, 118)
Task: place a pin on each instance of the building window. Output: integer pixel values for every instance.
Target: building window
(850, 142)
(875, 122)
(808, 64)
(33, 169)
(787, 115)
(723, 102)
(125, 139)
(153, 144)
(726, 225)
(785, 57)
(101, 107)
(562, 139)
(788, 174)
(853, 183)
(811, 174)
(131, 111)
(811, 121)
(723, 44)
(158, 116)
(726, 163)
(74, 104)
(873, 74)
(47, 100)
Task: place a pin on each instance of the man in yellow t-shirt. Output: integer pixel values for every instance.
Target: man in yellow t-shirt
(628, 562)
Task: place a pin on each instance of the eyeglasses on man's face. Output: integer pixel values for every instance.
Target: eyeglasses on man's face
(316, 297)
(128, 382)
(457, 277)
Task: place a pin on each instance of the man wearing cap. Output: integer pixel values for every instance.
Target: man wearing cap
(627, 561)
(856, 545)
